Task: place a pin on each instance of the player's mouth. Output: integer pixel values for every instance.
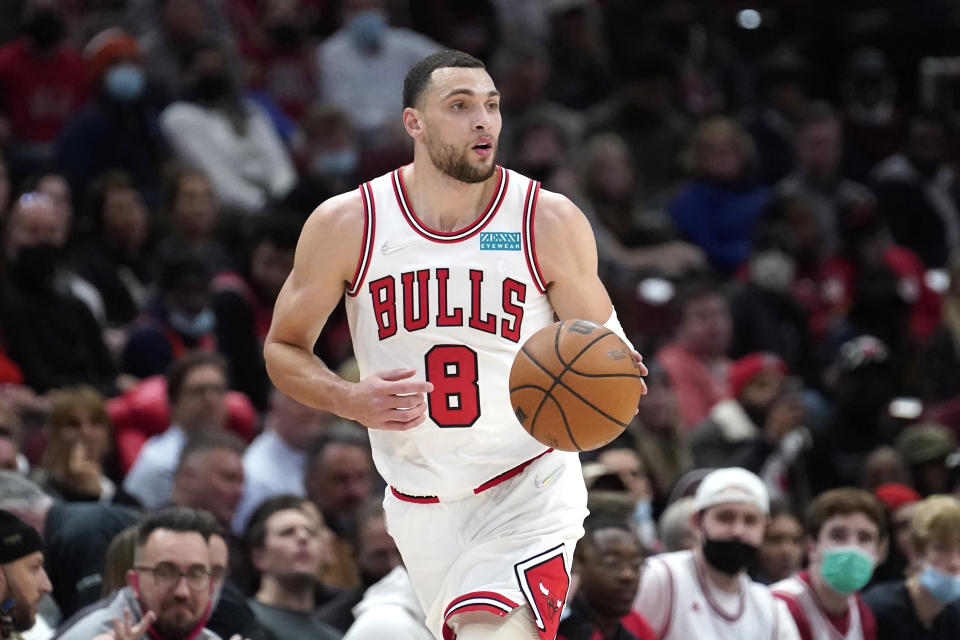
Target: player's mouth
(484, 147)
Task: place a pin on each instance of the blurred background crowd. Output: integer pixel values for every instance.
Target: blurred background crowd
(773, 187)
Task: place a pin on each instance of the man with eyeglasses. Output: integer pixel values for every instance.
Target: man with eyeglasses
(607, 561)
(169, 590)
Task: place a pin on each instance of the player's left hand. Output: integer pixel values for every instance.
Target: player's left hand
(643, 371)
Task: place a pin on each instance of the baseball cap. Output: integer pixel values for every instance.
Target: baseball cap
(17, 538)
(921, 443)
(745, 369)
(732, 484)
(894, 495)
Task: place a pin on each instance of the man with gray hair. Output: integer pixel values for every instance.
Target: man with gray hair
(75, 536)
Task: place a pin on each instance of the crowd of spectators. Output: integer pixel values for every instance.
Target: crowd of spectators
(774, 191)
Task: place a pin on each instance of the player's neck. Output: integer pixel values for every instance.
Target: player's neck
(835, 604)
(444, 203)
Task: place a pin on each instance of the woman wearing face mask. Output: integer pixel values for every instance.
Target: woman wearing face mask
(846, 535)
(119, 127)
(179, 319)
(925, 605)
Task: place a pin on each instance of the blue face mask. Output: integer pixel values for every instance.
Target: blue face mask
(336, 163)
(124, 82)
(193, 326)
(367, 28)
(945, 587)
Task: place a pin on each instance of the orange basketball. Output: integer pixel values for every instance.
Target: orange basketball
(574, 385)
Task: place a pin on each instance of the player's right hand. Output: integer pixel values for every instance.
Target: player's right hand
(390, 400)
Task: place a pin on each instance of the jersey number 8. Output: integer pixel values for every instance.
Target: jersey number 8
(455, 399)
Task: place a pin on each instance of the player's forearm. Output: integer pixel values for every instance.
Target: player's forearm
(305, 378)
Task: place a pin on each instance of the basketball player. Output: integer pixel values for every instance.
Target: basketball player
(846, 534)
(705, 593)
(448, 265)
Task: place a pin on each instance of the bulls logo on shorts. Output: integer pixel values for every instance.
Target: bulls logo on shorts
(544, 581)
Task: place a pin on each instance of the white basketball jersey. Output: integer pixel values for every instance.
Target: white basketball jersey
(800, 592)
(679, 604)
(456, 307)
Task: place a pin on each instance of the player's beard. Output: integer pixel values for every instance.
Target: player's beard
(452, 162)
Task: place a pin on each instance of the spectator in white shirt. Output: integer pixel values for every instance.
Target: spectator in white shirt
(196, 386)
(362, 65)
(705, 592)
(275, 462)
(230, 138)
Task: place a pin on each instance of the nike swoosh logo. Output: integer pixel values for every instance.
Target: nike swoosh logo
(553, 475)
(388, 248)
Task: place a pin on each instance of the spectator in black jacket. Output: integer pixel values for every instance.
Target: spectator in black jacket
(75, 535)
(243, 305)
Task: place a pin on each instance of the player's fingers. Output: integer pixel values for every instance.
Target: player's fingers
(410, 386)
(639, 360)
(395, 374)
(404, 401)
(403, 425)
(406, 415)
(643, 388)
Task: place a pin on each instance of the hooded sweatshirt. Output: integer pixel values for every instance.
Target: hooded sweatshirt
(389, 609)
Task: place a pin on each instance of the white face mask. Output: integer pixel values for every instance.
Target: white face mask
(772, 270)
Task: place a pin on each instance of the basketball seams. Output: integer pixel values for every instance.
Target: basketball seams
(566, 423)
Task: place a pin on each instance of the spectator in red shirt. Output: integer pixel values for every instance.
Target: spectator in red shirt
(42, 82)
(695, 359)
(608, 561)
(846, 534)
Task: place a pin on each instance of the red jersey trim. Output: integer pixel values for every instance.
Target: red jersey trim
(503, 180)
(529, 242)
(670, 604)
(701, 579)
(476, 601)
(369, 232)
(489, 484)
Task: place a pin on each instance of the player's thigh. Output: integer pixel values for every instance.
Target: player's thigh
(479, 625)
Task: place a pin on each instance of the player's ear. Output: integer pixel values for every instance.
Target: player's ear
(412, 123)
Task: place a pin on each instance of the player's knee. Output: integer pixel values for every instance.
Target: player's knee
(480, 625)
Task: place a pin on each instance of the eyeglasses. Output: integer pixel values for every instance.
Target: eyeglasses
(167, 574)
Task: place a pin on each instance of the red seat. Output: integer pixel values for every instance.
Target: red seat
(144, 411)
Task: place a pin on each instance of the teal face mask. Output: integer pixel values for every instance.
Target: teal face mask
(846, 569)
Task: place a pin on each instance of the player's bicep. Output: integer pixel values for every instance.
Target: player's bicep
(326, 257)
(567, 253)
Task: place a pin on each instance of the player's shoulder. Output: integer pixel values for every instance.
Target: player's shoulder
(344, 213)
(556, 211)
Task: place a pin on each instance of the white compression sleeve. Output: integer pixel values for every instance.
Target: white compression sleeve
(613, 323)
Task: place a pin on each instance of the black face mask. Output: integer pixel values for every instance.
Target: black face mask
(729, 556)
(35, 266)
(45, 27)
(211, 87)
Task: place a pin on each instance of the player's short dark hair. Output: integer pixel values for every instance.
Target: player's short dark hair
(418, 78)
(182, 366)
